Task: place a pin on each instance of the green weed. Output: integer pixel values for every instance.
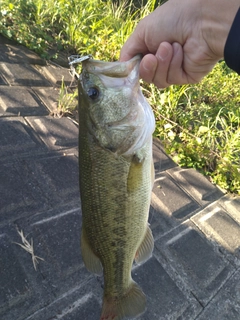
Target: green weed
(67, 101)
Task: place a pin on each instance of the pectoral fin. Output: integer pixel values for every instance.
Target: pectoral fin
(91, 261)
(145, 249)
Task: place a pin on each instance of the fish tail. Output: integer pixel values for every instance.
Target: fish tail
(130, 304)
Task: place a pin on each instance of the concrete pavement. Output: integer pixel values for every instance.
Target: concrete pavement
(195, 269)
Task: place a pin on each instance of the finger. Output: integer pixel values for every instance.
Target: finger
(176, 75)
(163, 56)
(181, 70)
(148, 67)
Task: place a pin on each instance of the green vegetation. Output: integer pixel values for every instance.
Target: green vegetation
(199, 125)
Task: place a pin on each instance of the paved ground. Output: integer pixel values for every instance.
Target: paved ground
(195, 270)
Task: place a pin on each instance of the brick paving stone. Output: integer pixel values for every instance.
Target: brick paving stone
(226, 304)
(57, 178)
(18, 54)
(56, 238)
(165, 300)
(16, 101)
(170, 200)
(15, 286)
(194, 183)
(49, 96)
(159, 223)
(22, 75)
(2, 81)
(55, 133)
(161, 161)
(4, 40)
(221, 228)
(78, 303)
(19, 192)
(61, 59)
(33, 185)
(22, 290)
(231, 204)
(53, 98)
(57, 74)
(16, 137)
(195, 260)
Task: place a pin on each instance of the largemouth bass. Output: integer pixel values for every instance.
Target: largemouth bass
(116, 177)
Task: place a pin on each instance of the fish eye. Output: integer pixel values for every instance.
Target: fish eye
(93, 93)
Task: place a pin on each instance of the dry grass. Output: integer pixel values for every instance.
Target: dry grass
(29, 248)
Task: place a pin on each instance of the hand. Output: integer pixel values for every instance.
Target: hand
(181, 40)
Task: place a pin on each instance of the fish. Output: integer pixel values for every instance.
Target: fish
(116, 175)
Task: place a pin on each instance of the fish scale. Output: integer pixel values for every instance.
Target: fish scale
(115, 188)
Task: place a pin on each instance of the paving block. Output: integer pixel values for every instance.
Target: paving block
(196, 261)
(55, 133)
(4, 40)
(19, 295)
(221, 228)
(55, 101)
(22, 75)
(49, 96)
(57, 74)
(16, 138)
(160, 223)
(56, 238)
(33, 185)
(78, 303)
(231, 204)
(13, 53)
(165, 300)
(226, 304)
(2, 81)
(19, 192)
(55, 177)
(170, 200)
(61, 59)
(13, 279)
(161, 161)
(194, 183)
(20, 101)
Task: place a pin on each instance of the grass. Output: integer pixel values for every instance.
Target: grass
(198, 124)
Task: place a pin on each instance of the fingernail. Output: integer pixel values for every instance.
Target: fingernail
(163, 52)
(175, 46)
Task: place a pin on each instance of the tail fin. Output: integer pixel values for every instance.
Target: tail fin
(131, 304)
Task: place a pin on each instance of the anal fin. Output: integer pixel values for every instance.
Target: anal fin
(91, 261)
(145, 249)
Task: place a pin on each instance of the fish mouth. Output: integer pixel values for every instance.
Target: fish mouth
(116, 69)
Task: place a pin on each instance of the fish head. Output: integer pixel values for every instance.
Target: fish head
(119, 117)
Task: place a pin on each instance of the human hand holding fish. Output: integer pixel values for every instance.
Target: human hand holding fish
(116, 177)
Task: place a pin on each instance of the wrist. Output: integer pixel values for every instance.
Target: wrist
(217, 19)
